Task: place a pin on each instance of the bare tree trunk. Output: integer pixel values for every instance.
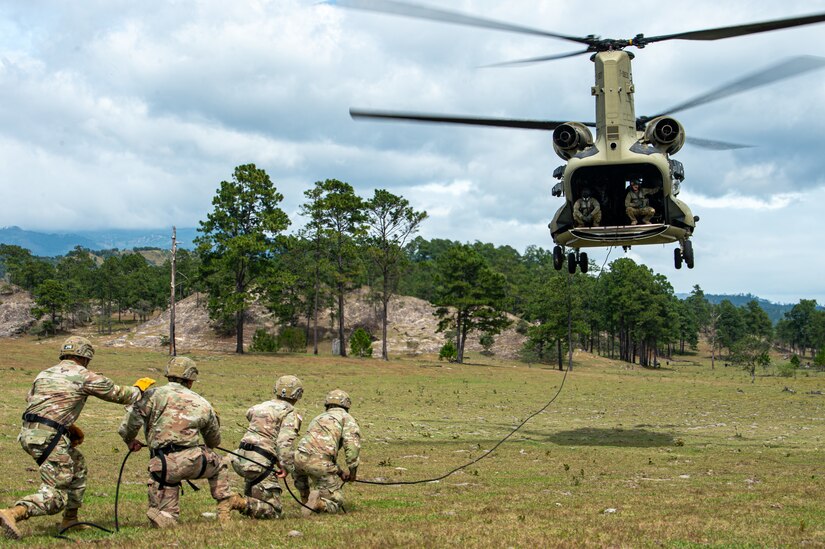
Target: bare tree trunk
(384, 314)
(342, 346)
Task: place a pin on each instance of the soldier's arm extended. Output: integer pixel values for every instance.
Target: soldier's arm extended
(351, 439)
(211, 431)
(628, 200)
(102, 387)
(286, 438)
(134, 418)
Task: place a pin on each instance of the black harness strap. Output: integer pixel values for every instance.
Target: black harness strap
(60, 429)
(273, 460)
(160, 453)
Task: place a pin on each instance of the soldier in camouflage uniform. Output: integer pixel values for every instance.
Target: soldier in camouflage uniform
(50, 436)
(315, 457)
(172, 417)
(273, 427)
(636, 203)
(586, 210)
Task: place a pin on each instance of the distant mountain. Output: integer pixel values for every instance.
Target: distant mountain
(50, 245)
(776, 311)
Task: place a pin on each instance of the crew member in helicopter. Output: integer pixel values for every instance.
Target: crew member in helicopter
(586, 210)
(636, 202)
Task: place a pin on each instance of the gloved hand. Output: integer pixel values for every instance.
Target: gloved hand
(144, 383)
(353, 474)
(281, 473)
(343, 475)
(76, 435)
(135, 445)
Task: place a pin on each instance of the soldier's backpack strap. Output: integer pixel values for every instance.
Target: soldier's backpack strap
(60, 429)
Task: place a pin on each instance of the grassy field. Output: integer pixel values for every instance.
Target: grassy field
(679, 456)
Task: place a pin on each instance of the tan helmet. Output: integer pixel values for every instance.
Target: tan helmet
(183, 368)
(77, 346)
(289, 387)
(337, 397)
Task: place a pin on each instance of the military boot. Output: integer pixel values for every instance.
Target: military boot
(69, 519)
(314, 504)
(235, 502)
(158, 519)
(647, 219)
(9, 519)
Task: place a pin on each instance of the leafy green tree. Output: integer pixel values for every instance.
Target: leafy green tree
(23, 269)
(731, 326)
(757, 321)
(51, 297)
(238, 241)
(340, 216)
(360, 343)
(390, 222)
(448, 352)
(469, 296)
(77, 272)
(799, 325)
(751, 351)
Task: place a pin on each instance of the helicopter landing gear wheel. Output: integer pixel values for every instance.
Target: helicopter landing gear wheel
(687, 253)
(558, 258)
(571, 263)
(677, 258)
(583, 265)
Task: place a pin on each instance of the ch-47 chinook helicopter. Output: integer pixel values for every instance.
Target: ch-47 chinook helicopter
(626, 147)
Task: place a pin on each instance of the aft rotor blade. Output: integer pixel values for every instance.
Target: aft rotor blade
(715, 145)
(787, 68)
(417, 11)
(739, 30)
(520, 62)
(547, 125)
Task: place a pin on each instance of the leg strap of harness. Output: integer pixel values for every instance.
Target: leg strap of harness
(58, 427)
(273, 461)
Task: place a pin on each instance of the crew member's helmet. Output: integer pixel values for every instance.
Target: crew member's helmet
(337, 397)
(182, 367)
(289, 387)
(585, 193)
(77, 346)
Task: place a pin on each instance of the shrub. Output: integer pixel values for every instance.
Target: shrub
(360, 343)
(448, 352)
(819, 359)
(795, 361)
(786, 369)
(292, 339)
(263, 342)
(487, 341)
(164, 341)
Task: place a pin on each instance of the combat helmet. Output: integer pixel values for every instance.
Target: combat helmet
(183, 368)
(77, 346)
(337, 397)
(586, 193)
(289, 387)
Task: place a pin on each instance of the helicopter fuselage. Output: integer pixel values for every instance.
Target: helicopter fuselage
(620, 152)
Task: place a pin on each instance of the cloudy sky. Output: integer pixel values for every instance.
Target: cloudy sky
(117, 114)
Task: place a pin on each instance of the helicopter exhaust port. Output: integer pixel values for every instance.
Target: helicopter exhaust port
(570, 138)
(665, 133)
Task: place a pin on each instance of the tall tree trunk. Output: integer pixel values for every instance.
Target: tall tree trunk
(343, 345)
(239, 331)
(384, 313)
(315, 316)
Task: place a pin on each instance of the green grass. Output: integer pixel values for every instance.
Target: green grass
(685, 456)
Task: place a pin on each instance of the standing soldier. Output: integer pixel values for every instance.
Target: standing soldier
(315, 458)
(50, 436)
(273, 427)
(172, 416)
(636, 202)
(586, 210)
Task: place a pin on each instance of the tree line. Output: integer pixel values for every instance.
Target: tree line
(244, 254)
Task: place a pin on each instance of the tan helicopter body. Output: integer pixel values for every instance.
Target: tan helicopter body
(626, 147)
(606, 164)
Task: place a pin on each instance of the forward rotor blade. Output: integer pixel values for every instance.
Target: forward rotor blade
(739, 30)
(417, 11)
(520, 62)
(715, 145)
(547, 125)
(787, 68)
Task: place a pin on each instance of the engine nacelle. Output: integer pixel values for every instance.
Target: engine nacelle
(665, 133)
(570, 138)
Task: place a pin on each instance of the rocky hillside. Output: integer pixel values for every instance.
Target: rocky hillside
(15, 310)
(411, 330)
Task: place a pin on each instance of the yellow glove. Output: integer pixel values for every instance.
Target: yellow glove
(144, 383)
(76, 435)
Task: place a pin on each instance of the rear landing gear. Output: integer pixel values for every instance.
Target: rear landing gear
(684, 253)
(574, 259)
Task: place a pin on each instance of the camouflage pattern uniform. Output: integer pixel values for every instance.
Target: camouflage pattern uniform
(587, 212)
(636, 204)
(59, 394)
(315, 457)
(172, 416)
(273, 427)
